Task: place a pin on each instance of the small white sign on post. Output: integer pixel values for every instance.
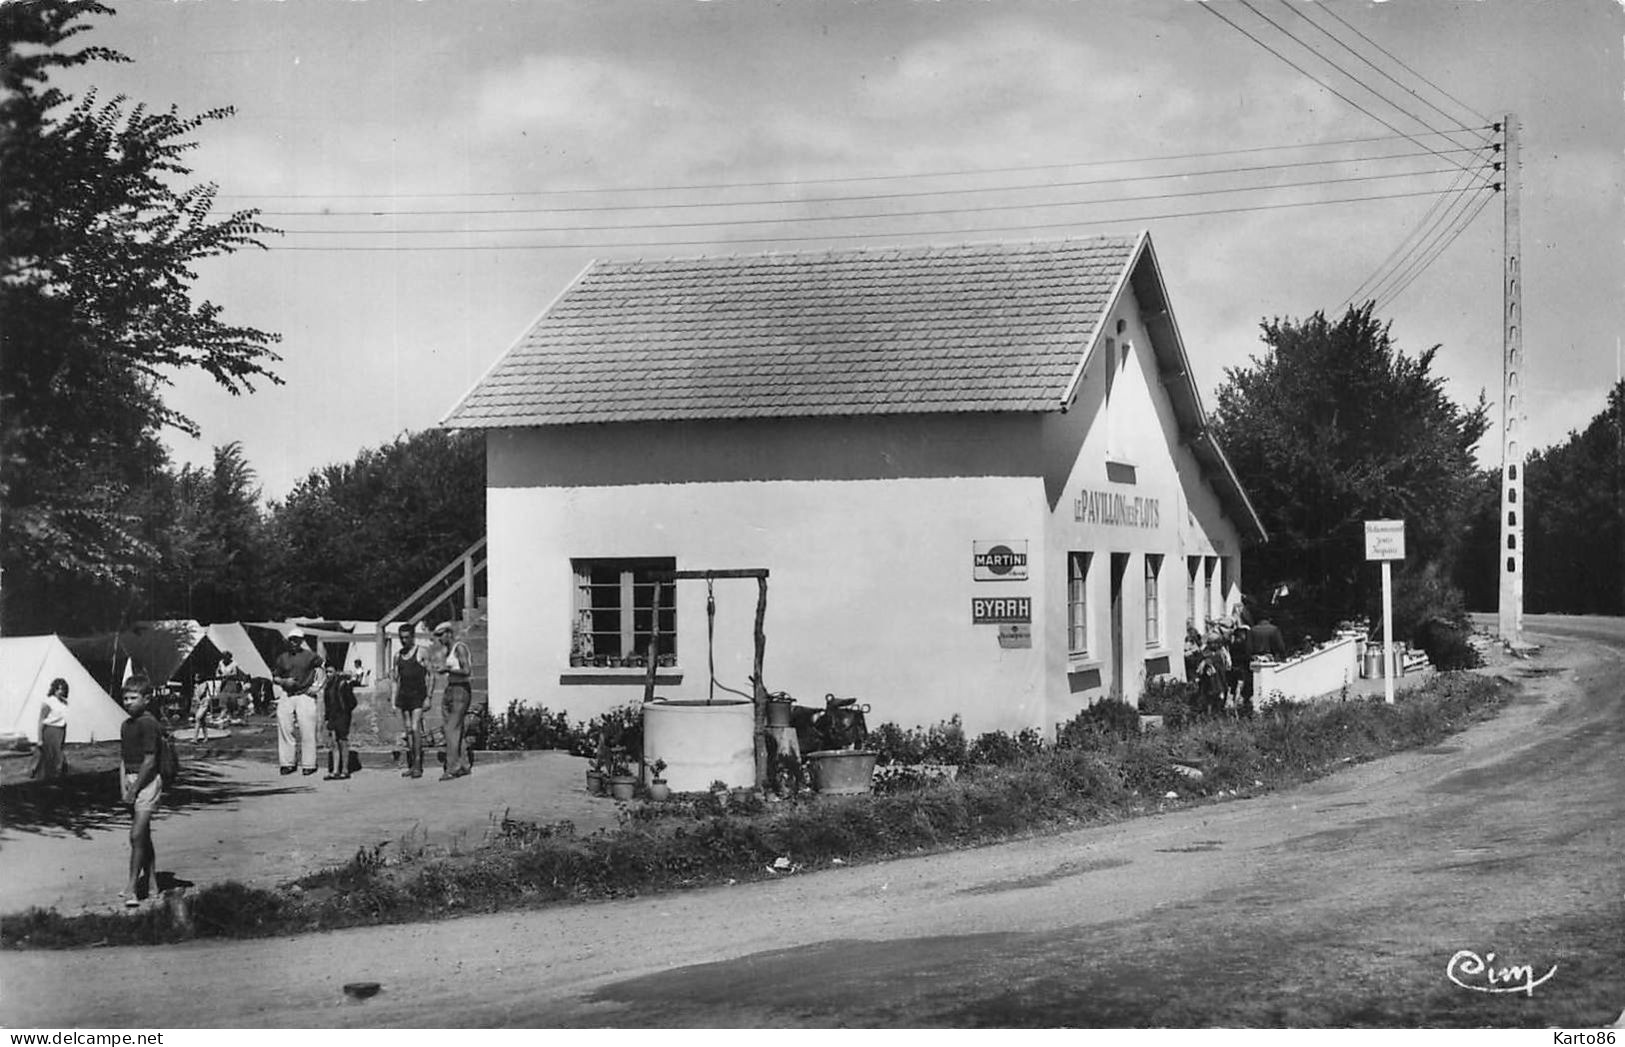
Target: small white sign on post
(1385, 541)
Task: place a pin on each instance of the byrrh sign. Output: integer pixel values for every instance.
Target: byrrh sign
(1001, 610)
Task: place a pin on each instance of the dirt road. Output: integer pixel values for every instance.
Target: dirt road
(1342, 903)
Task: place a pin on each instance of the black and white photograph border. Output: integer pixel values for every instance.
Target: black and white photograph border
(963, 515)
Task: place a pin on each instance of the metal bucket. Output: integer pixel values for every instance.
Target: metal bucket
(842, 772)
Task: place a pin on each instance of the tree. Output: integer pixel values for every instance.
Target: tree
(97, 262)
(1573, 527)
(1335, 425)
(352, 540)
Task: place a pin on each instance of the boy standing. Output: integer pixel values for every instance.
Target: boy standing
(139, 739)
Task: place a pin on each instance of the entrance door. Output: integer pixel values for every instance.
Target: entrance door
(1119, 571)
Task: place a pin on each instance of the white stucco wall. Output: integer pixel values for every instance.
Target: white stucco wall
(869, 594)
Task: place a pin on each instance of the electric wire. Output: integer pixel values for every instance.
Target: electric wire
(594, 190)
(868, 215)
(1397, 291)
(1303, 12)
(1238, 28)
(1425, 238)
(865, 197)
(1445, 238)
(1470, 110)
(872, 234)
(1416, 232)
(1402, 110)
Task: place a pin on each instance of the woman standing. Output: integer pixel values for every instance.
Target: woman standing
(53, 731)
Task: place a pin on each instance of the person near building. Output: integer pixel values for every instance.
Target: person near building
(231, 688)
(298, 676)
(1241, 668)
(1266, 640)
(139, 740)
(49, 761)
(338, 706)
(459, 696)
(411, 677)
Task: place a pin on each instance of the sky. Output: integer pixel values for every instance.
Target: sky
(728, 127)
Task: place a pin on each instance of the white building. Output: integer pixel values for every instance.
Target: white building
(980, 477)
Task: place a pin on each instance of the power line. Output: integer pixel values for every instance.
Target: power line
(1396, 292)
(1211, 10)
(1426, 233)
(1417, 232)
(1443, 239)
(981, 209)
(1470, 110)
(912, 194)
(584, 190)
(1303, 13)
(1034, 227)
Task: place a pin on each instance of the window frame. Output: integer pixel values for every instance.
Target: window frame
(1154, 637)
(1079, 564)
(634, 597)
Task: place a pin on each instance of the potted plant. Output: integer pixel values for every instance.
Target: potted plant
(658, 789)
(622, 782)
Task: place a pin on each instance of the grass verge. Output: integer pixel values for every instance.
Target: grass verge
(1097, 777)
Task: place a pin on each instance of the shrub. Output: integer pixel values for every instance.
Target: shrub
(1175, 700)
(999, 749)
(535, 727)
(894, 744)
(1109, 718)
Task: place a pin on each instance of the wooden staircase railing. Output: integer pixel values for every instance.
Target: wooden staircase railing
(454, 580)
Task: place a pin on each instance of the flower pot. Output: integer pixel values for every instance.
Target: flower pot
(659, 790)
(621, 786)
(842, 772)
(778, 713)
(595, 783)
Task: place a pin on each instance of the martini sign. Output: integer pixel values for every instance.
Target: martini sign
(999, 561)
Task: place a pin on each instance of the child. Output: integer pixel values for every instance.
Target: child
(139, 739)
(338, 703)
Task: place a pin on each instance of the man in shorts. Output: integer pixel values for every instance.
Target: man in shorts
(139, 739)
(411, 676)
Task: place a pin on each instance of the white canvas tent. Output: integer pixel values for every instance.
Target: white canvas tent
(28, 664)
(233, 637)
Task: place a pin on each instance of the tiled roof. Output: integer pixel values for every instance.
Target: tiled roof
(976, 327)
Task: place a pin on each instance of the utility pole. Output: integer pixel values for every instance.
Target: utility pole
(1514, 510)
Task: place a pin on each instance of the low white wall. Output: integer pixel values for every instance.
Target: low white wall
(1317, 673)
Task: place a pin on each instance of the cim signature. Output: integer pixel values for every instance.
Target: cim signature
(1516, 978)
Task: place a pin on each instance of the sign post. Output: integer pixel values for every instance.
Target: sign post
(1385, 541)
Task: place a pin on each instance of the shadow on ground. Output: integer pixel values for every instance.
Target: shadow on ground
(83, 803)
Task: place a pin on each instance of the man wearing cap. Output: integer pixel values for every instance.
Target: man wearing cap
(459, 696)
(297, 674)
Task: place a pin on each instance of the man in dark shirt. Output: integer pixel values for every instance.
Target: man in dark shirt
(298, 680)
(139, 739)
(1267, 639)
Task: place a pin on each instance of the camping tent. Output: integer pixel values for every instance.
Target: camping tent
(28, 664)
(233, 637)
(160, 649)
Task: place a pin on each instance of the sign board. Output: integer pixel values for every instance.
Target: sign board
(1385, 539)
(1015, 636)
(999, 561)
(1001, 610)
